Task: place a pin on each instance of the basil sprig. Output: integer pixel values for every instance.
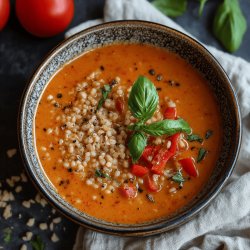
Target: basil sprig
(229, 25)
(143, 99)
(164, 127)
(105, 91)
(136, 145)
(142, 102)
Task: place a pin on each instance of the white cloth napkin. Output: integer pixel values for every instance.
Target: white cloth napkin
(225, 223)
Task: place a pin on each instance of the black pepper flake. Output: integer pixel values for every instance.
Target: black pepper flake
(52, 148)
(70, 170)
(140, 190)
(158, 89)
(54, 168)
(151, 72)
(74, 141)
(44, 129)
(177, 84)
(150, 198)
(113, 82)
(56, 104)
(159, 77)
(59, 95)
(102, 68)
(102, 196)
(192, 148)
(136, 68)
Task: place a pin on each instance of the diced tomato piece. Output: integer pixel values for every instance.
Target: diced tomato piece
(138, 170)
(150, 184)
(174, 142)
(128, 191)
(170, 113)
(189, 166)
(119, 104)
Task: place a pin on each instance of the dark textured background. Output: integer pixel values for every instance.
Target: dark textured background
(20, 54)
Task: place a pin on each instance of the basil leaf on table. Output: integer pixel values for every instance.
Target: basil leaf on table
(172, 8)
(202, 4)
(194, 137)
(105, 91)
(229, 25)
(136, 145)
(143, 99)
(166, 127)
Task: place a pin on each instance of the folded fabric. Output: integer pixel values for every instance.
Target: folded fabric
(225, 223)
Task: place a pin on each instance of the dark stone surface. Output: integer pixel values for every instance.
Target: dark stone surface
(20, 54)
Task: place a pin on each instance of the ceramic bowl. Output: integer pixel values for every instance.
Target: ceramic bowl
(139, 32)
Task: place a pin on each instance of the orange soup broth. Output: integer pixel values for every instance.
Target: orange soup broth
(195, 103)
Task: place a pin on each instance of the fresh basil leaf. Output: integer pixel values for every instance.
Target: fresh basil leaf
(37, 243)
(229, 25)
(7, 235)
(178, 178)
(166, 127)
(194, 137)
(209, 133)
(201, 155)
(105, 91)
(99, 173)
(172, 8)
(143, 99)
(202, 4)
(136, 145)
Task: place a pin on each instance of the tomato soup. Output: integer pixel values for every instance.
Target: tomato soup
(128, 133)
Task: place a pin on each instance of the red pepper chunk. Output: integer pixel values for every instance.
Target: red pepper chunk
(149, 153)
(189, 166)
(170, 113)
(128, 191)
(150, 184)
(160, 161)
(174, 143)
(138, 170)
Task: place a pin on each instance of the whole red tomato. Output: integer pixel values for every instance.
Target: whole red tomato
(4, 12)
(45, 18)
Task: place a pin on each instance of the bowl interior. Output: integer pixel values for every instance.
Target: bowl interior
(135, 32)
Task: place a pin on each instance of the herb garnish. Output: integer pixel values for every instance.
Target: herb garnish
(37, 243)
(194, 137)
(178, 178)
(136, 145)
(201, 155)
(209, 133)
(164, 127)
(7, 235)
(99, 173)
(150, 198)
(142, 102)
(105, 91)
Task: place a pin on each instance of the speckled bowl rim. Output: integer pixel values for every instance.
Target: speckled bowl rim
(123, 229)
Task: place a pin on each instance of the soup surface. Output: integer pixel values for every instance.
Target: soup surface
(85, 145)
